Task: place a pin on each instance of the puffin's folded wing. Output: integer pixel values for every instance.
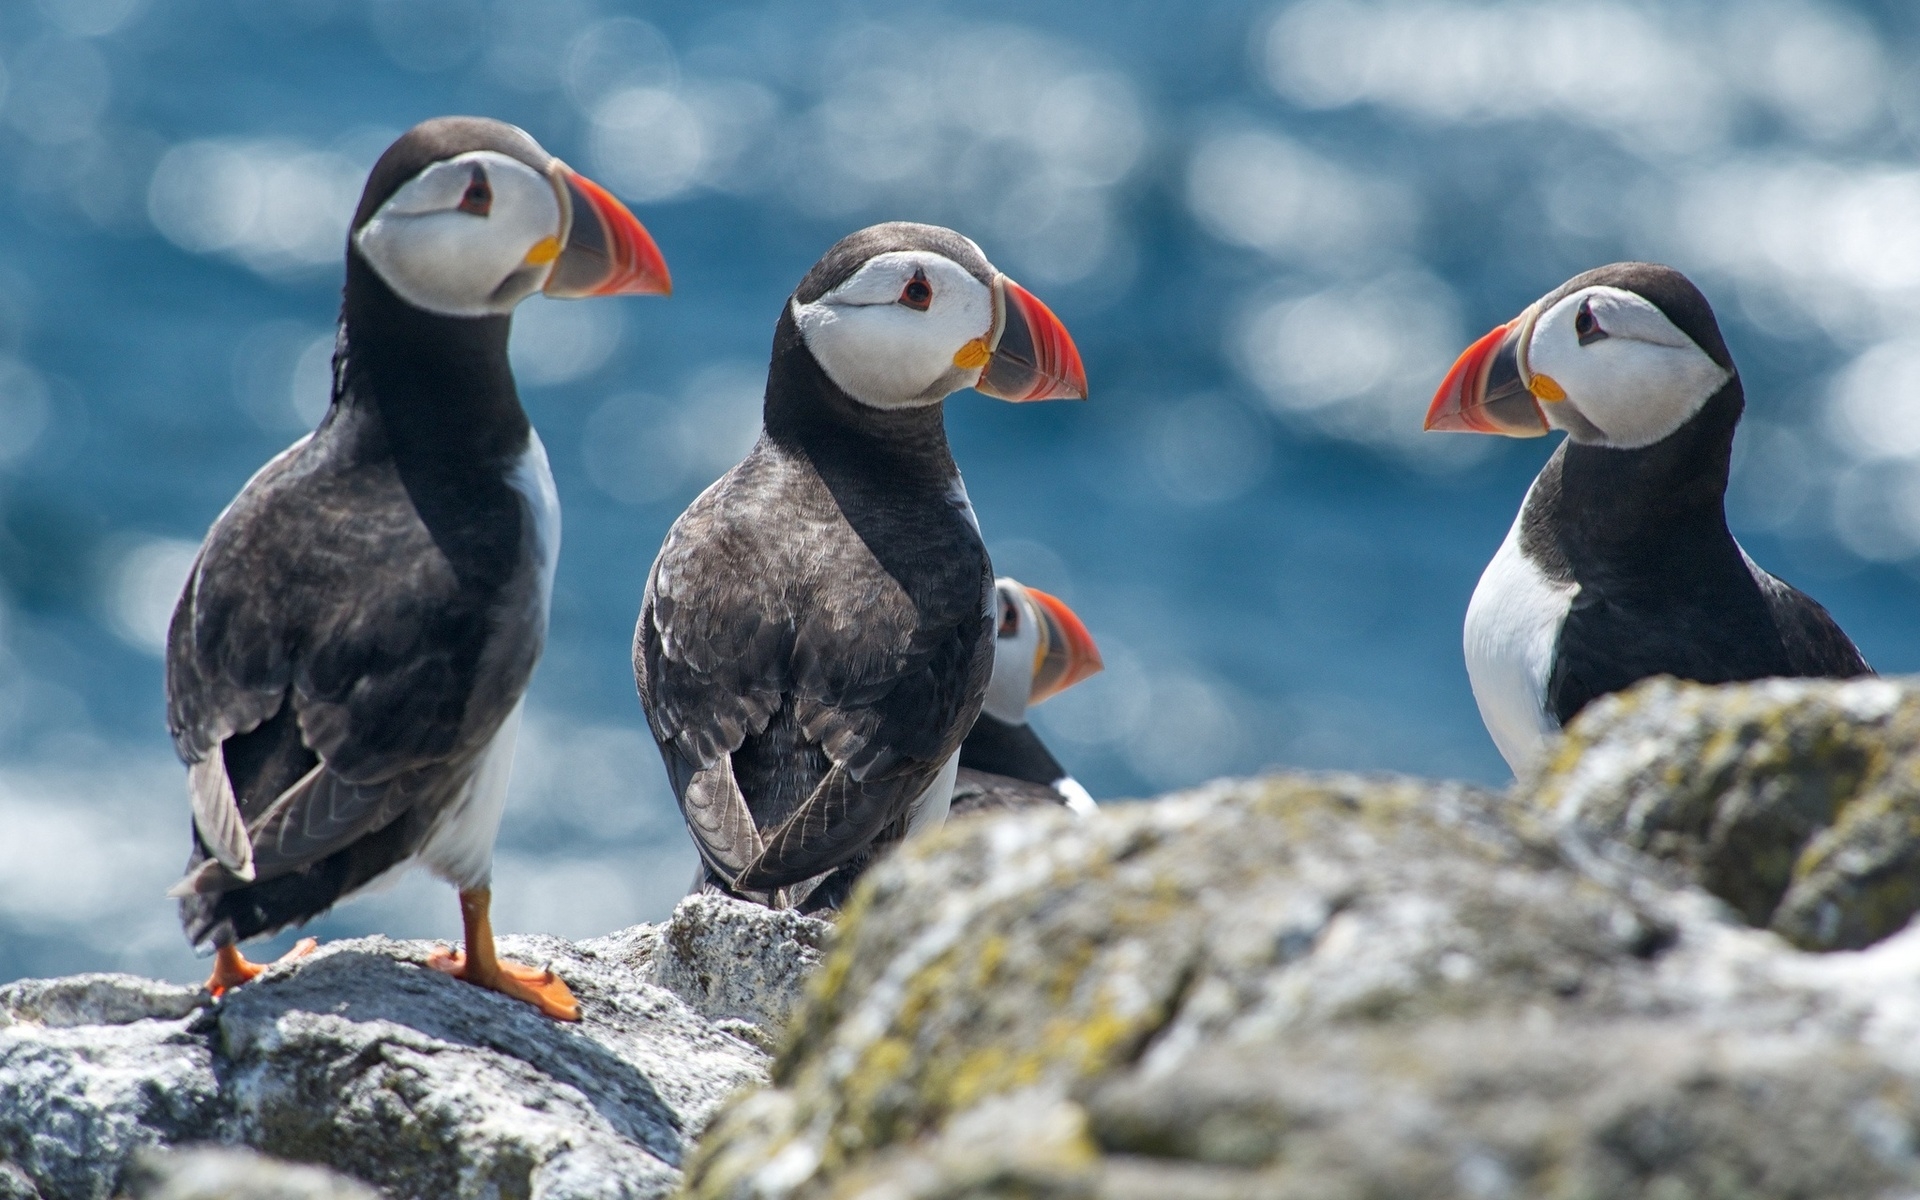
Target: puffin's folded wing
(840, 819)
(323, 617)
(320, 814)
(1816, 645)
(882, 686)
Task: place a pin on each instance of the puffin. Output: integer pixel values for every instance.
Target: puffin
(346, 663)
(816, 634)
(1040, 649)
(1619, 565)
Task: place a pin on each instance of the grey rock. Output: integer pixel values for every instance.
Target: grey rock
(14, 1184)
(735, 962)
(227, 1173)
(97, 999)
(362, 1053)
(77, 1101)
(1325, 987)
(360, 1059)
(1795, 801)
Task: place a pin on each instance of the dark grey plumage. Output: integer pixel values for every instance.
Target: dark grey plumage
(814, 641)
(367, 612)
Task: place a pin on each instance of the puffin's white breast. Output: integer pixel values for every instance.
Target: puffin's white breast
(1513, 624)
(533, 479)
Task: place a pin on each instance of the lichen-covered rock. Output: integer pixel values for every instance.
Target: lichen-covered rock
(361, 1059)
(1320, 987)
(1795, 801)
(225, 1173)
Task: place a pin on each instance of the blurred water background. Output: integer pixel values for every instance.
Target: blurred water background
(1269, 227)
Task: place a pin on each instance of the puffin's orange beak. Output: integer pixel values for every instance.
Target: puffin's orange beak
(608, 252)
(1483, 393)
(1065, 654)
(1034, 357)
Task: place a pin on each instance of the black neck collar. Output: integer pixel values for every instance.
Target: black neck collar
(806, 411)
(442, 387)
(1657, 505)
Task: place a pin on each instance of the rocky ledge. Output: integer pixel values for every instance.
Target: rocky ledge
(361, 1059)
(1672, 963)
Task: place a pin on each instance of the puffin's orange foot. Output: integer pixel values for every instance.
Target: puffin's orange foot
(231, 968)
(532, 985)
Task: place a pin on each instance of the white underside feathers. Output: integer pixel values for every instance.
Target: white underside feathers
(1079, 801)
(930, 807)
(459, 849)
(1513, 624)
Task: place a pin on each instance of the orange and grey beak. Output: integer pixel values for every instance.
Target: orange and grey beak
(1065, 654)
(1487, 391)
(1029, 354)
(603, 250)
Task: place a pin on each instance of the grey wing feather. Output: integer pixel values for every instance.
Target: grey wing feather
(217, 816)
(838, 821)
(722, 824)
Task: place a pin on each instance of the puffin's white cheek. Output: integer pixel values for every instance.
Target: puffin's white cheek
(882, 355)
(1639, 392)
(1012, 679)
(454, 263)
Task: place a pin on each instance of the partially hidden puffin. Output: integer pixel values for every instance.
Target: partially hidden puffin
(1040, 649)
(817, 631)
(346, 663)
(1620, 565)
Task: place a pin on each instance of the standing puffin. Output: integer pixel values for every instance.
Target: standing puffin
(817, 631)
(1620, 565)
(1040, 649)
(346, 663)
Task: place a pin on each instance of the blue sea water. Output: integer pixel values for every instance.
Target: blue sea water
(1269, 227)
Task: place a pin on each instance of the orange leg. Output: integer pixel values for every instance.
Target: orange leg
(478, 964)
(231, 968)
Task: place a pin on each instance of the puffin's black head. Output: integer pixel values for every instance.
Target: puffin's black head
(1620, 356)
(466, 217)
(902, 315)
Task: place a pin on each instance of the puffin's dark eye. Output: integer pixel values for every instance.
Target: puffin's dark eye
(479, 196)
(918, 293)
(1009, 615)
(1585, 327)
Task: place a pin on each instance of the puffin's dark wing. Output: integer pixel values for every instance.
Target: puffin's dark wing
(984, 792)
(1753, 627)
(836, 708)
(995, 747)
(323, 593)
(1816, 646)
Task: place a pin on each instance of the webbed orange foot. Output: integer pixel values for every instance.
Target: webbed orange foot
(232, 968)
(479, 965)
(531, 985)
